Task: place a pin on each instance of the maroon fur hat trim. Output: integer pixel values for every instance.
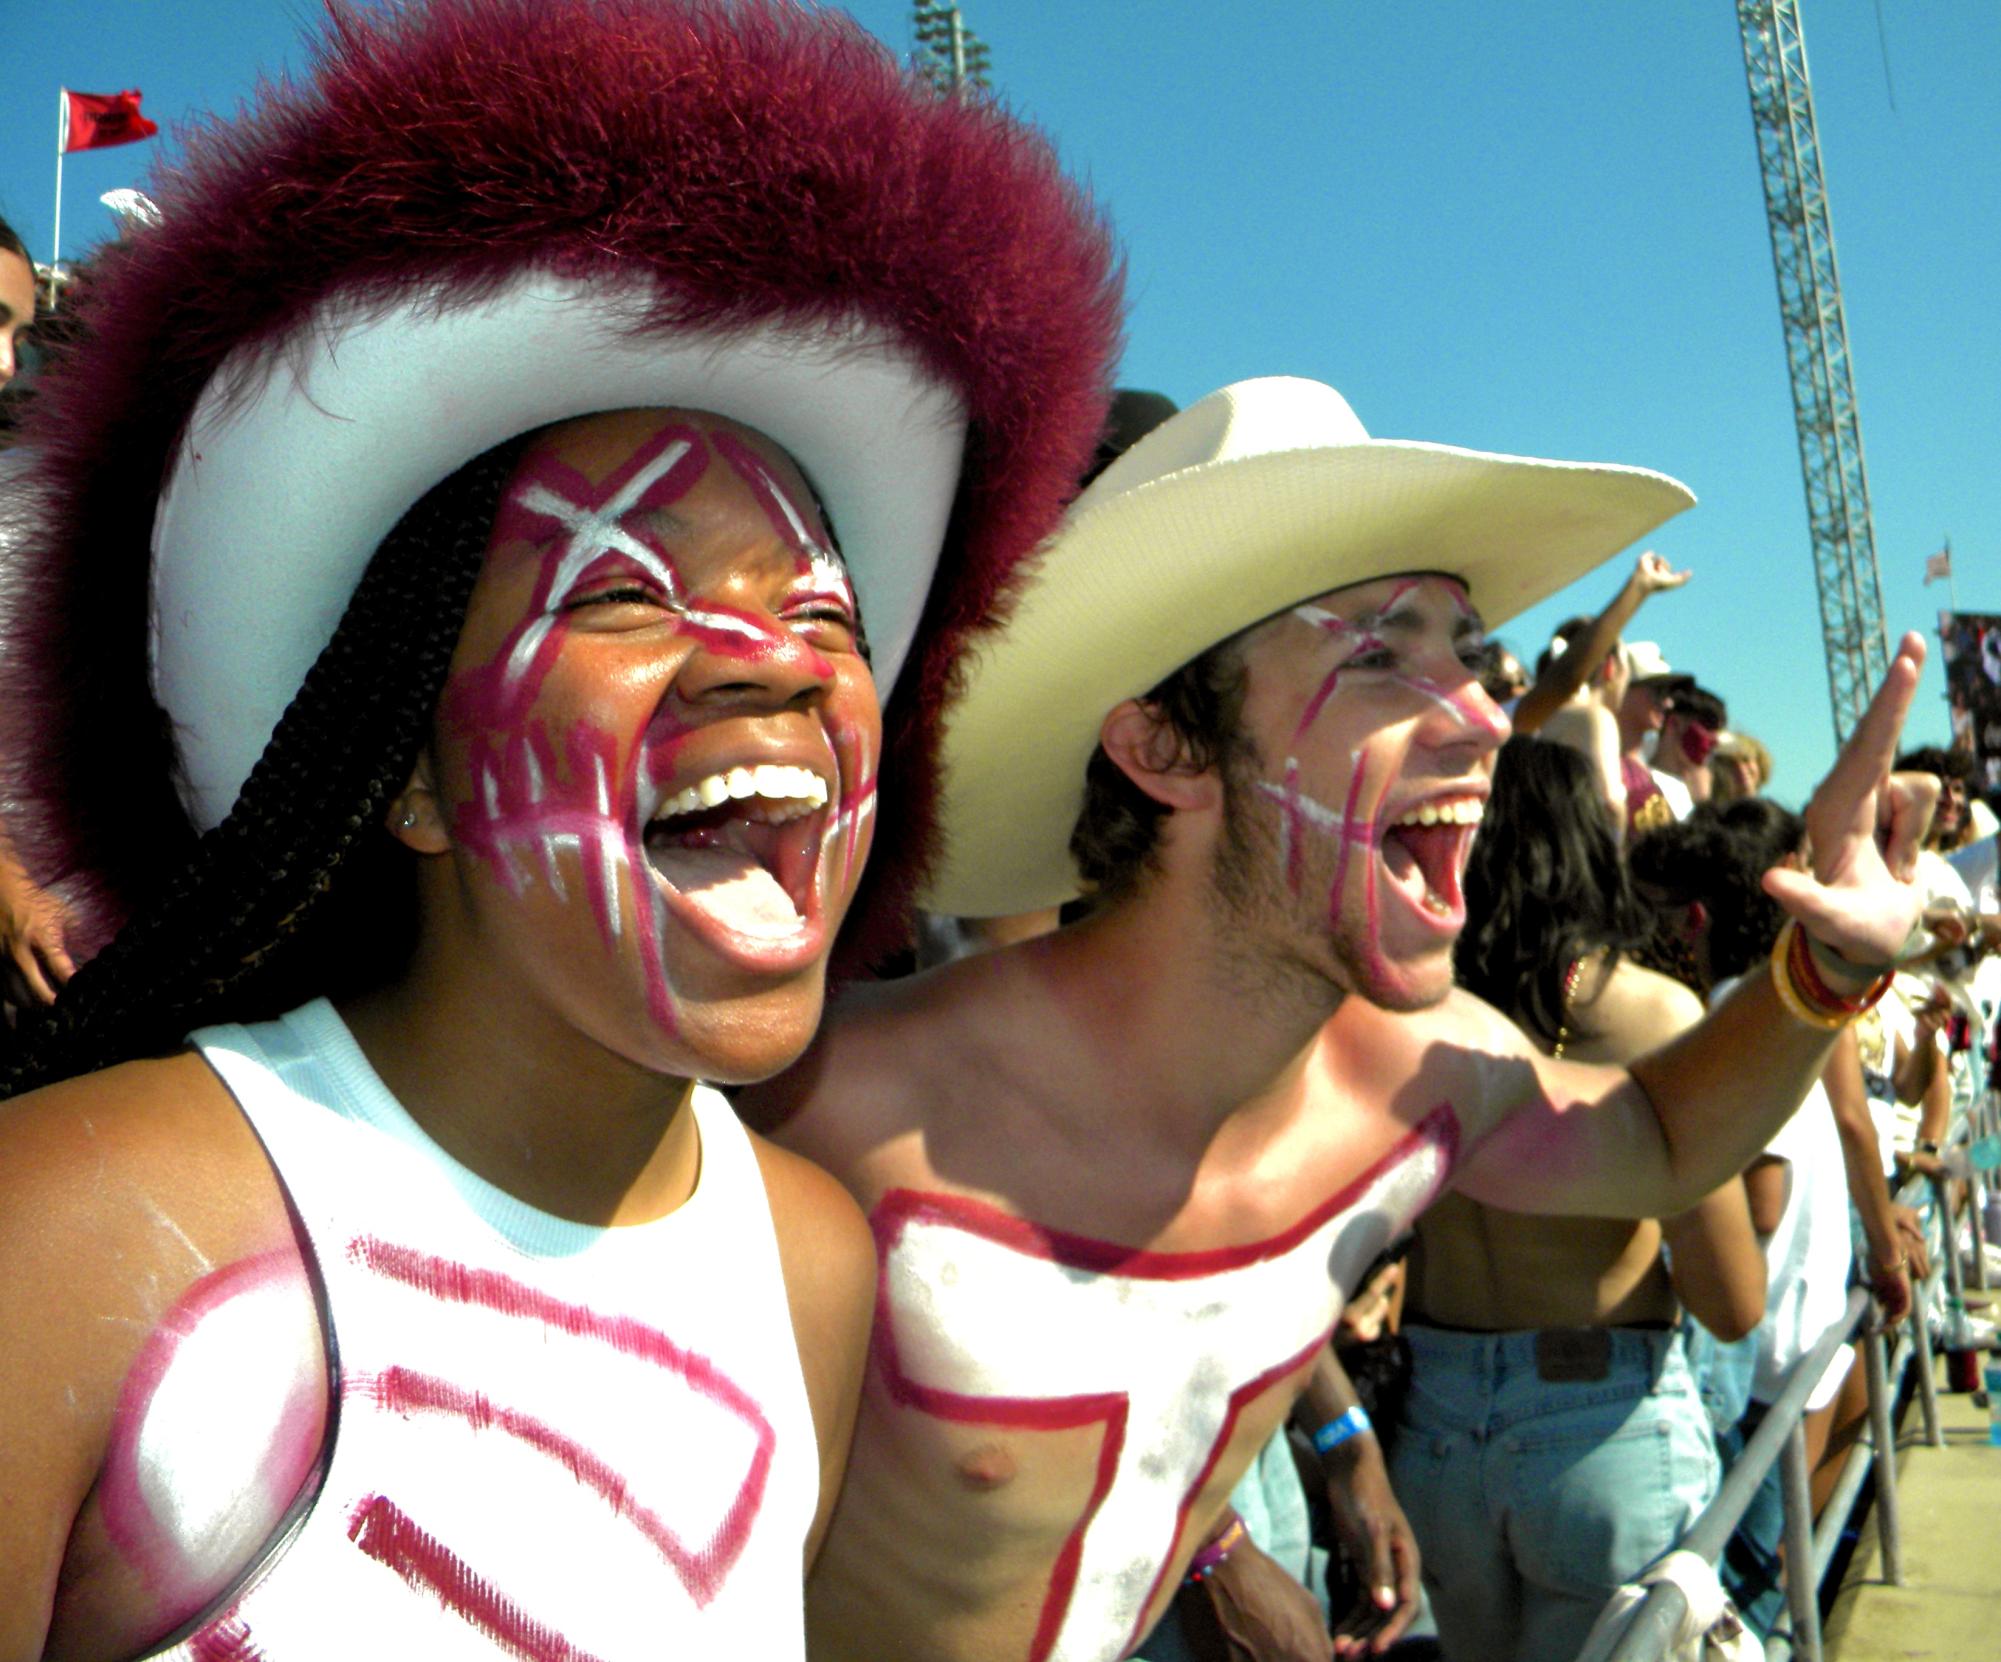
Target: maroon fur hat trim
(767, 163)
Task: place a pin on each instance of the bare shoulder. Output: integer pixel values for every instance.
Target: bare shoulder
(118, 1189)
(128, 1144)
(824, 1242)
(886, 1055)
(1638, 1009)
(1453, 1033)
(1460, 1052)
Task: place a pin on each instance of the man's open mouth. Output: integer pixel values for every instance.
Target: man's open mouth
(1425, 849)
(742, 849)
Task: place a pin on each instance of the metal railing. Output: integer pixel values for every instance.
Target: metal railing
(1649, 1630)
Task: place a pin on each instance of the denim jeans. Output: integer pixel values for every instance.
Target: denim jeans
(1533, 1500)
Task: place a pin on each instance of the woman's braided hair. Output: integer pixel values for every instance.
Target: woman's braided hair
(243, 929)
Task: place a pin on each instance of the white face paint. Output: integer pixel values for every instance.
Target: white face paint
(986, 1319)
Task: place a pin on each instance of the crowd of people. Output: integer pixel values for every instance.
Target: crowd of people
(703, 954)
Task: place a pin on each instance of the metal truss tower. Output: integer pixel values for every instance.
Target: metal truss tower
(948, 54)
(1830, 431)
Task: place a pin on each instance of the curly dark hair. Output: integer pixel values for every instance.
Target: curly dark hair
(1117, 834)
(1700, 705)
(1545, 886)
(298, 891)
(1718, 856)
(1942, 764)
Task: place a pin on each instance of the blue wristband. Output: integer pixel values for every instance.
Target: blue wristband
(1351, 1422)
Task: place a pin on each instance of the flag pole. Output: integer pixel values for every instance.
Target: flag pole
(1951, 582)
(62, 139)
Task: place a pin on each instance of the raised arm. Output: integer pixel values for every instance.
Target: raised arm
(1558, 684)
(1694, 1112)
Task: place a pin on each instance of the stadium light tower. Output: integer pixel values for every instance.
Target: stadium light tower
(948, 54)
(1830, 430)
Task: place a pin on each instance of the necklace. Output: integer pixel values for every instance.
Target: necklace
(1569, 993)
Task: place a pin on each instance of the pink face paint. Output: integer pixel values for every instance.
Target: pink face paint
(730, 632)
(787, 517)
(549, 497)
(218, 1427)
(525, 806)
(1475, 709)
(1357, 640)
(554, 791)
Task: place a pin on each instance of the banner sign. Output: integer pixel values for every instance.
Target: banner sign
(1972, 652)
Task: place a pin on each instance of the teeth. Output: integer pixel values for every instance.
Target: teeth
(1464, 811)
(800, 789)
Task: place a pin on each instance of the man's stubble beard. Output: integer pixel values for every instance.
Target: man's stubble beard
(1272, 943)
(1277, 944)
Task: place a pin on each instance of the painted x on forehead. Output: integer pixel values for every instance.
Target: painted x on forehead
(1395, 639)
(536, 798)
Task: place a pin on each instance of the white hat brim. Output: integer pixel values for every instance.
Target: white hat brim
(299, 459)
(1136, 585)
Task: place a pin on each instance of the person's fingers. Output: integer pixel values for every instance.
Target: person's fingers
(33, 981)
(1872, 746)
(1405, 1611)
(1903, 816)
(56, 959)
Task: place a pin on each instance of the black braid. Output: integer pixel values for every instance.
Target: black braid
(242, 930)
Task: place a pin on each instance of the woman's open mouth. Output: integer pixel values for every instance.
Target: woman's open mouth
(737, 855)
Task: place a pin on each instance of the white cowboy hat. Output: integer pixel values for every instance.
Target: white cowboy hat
(1262, 495)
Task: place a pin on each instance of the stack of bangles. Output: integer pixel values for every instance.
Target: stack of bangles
(1803, 990)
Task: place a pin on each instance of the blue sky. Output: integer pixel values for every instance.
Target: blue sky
(1534, 228)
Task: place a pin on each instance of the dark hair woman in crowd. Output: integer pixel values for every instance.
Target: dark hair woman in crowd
(1556, 1337)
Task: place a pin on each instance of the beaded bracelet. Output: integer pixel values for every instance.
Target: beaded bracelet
(1213, 1551)
(1806, 994)
(1350, 1422)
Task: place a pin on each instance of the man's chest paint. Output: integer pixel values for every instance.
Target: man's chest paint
(984, 1318)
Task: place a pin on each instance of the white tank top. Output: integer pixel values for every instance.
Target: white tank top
(550, 1439)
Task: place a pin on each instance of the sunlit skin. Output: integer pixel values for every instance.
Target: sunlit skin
(1164, 1077)
(17, 309)
(1411, 727)
(660, 603)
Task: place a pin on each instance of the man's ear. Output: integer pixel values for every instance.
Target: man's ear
(415, 817)
(1148, 751)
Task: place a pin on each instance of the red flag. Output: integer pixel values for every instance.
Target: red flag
(97, 120)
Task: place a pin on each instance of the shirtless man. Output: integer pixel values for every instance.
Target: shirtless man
(1121, 1175)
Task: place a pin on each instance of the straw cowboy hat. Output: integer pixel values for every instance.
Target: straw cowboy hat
(476, 217)
(1262, 495)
